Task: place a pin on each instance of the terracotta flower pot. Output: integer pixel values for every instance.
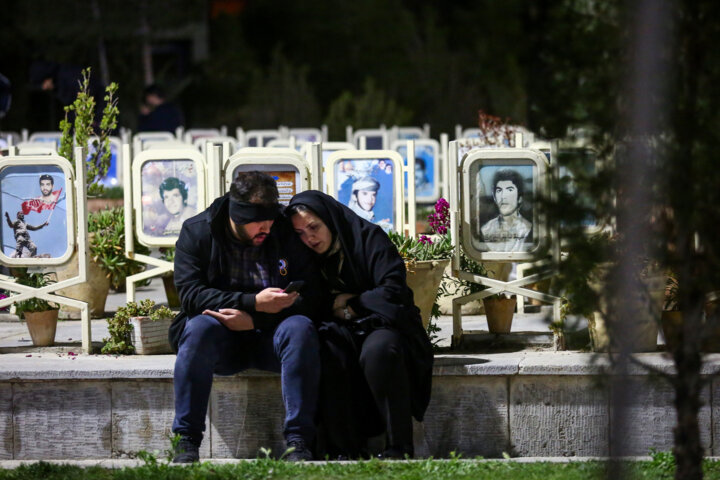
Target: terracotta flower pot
(499, 311)
(94, 291)
(424, 278)
(42, 326)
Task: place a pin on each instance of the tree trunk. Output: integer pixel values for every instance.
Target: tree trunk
(146, 46)
(102, 51)
(687, 449)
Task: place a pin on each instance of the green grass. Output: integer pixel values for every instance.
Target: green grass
(660, 468)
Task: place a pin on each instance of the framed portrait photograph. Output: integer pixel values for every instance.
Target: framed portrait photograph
(375, 139)
(427, 168)
(501, 218)
(328, 148)
(143, 139)
(409, 133)
(287, 167)
(38, 209)
(194, 134)
(168, 188)
(113, 178)
(573, 164)
(51, 139)
(221, 141)
(260, 138)
(302, 135)
(371, 186)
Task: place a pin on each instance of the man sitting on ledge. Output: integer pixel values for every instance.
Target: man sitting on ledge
(231, 264)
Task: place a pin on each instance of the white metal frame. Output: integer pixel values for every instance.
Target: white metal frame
(459, 235)
(400, 224)
(46, 137)
(157, 155)
(269, 157)
(424, 142)
(359, 137)
(259, 136)
(133, 205)
(228, 144)
(298, 133)
(50, 161)
(118, 146)
(79, 209)
(506, 156)
(200, 133)
(140, 140)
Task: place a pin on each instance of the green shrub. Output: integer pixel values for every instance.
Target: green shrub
(107, 248)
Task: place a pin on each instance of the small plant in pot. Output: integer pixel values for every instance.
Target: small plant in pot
(140, 328)
(40, 315)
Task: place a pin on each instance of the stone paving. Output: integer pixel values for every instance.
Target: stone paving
(14, 336)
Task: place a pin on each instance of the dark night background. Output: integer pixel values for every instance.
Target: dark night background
(262, 63)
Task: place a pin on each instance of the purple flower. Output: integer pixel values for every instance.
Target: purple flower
(440, 220)
(425, 240)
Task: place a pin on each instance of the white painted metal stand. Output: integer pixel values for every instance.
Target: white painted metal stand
(47, 292)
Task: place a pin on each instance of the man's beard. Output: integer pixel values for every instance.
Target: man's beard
(245, 238)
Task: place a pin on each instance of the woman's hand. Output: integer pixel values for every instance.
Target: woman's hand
(341, 300)
(340, 307)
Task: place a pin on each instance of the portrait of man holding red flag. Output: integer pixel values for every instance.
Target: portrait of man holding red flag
(44, 213)
(48, 198)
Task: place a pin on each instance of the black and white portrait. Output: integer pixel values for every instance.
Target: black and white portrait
(504, 208)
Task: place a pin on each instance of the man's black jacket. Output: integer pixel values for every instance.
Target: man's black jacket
(202, 273)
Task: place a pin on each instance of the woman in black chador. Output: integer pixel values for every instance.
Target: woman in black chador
(377, 358)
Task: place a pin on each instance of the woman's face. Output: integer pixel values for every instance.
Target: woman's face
(312, 231)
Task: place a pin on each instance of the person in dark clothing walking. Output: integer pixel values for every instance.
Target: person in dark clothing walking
(157, 114)
(232, 262)
(376, 356)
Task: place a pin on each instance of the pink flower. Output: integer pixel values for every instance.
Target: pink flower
(425, 240)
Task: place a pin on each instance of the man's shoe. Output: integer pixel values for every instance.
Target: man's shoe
(187, 450)
(299, 453)
(395, 453)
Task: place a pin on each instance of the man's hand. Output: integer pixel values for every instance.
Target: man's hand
(273, 300)
(233, 319)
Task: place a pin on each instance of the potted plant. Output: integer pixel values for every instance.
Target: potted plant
(640, 333)
(40, 315)
(140, 328)
(107, 264)
(426, 259)
(77, 132)
(672, 319)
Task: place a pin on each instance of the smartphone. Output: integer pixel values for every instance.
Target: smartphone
(294, 286)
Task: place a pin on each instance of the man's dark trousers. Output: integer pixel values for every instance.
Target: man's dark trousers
(207, 347)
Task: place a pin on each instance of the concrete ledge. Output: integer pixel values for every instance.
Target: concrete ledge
(528, 404)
